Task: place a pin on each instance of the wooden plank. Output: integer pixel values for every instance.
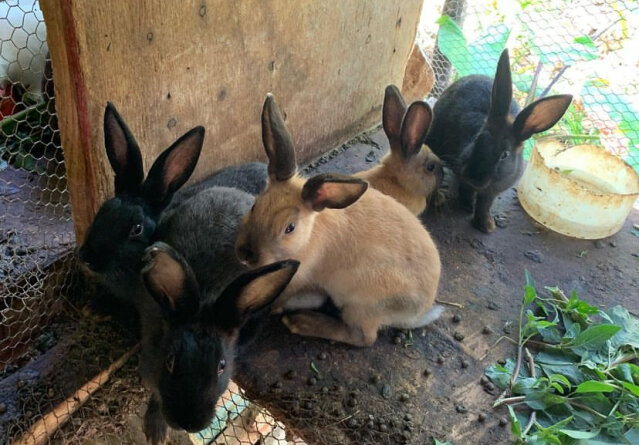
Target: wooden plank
(169, 66)
(72, 112)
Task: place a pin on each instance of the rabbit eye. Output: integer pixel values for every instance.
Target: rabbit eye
(504, 155)
(136, 230)
(220, 367)
(431, 166)
(170, 363)
(290, 228)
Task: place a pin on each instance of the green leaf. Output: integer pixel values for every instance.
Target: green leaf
(314, 368)
(479, 57)
(485, 51)
(500, 375)
(529, 279)
(563, 363)
(580, 306)
(587, 42)
(594, 386)
(437, 442)
(515, 425)
(525, 385)
(597, 401)
(628, 372)
(595, 336)
(452, 44)
(580, 434)
(629, 334)
(558, 387)
(560, 378)
(634, 389)
(529, 294)
(543, 400)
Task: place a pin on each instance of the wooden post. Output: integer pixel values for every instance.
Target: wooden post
(169, 66)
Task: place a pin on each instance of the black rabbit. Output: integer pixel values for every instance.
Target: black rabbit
(478, 131)
(125, 225)
(191, 332)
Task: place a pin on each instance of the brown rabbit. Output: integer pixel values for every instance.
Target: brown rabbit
(362, 248)
(410, 172)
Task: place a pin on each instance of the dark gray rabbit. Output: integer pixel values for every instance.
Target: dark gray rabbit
(478, 132)
(203, 303)
(125, 225)
(250, 177)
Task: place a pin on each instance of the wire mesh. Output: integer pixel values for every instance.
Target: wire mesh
(49, 349)
(586, 48)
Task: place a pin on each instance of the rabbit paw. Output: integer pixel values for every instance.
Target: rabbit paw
(155, 428)
(440, 198)
(485, 224)
(299, 323)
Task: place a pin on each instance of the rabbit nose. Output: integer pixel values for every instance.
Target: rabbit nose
(246, 254)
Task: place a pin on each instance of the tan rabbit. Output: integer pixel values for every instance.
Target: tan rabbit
(410, 172)
(362, 248)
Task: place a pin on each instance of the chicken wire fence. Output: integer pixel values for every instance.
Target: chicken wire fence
(50, 347)
(586, 48)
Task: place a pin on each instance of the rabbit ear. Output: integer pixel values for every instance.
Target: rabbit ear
(502, 94)
(332, 191)
(392, 113)
(123, 152)
(414, 128)
(170, 281)
(173, 168)
(277, 141)
(249, 293)
(540, 115)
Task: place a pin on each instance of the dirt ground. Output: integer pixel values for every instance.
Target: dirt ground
(412, 387)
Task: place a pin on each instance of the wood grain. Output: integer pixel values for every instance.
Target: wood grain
(169, 66)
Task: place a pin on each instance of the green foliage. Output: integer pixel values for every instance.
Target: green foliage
(597, 95)
(555, 54)
(573, 124)
(586, 385)
(550, 52)
(478, 57)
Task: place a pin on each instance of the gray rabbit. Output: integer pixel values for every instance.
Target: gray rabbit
(478, 131)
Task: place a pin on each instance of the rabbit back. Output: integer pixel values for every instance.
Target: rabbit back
(203, 229)
(250, 178)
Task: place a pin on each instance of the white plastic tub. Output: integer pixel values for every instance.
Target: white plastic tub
(580, 191)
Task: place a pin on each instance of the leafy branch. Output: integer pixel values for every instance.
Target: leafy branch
(583, 382)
